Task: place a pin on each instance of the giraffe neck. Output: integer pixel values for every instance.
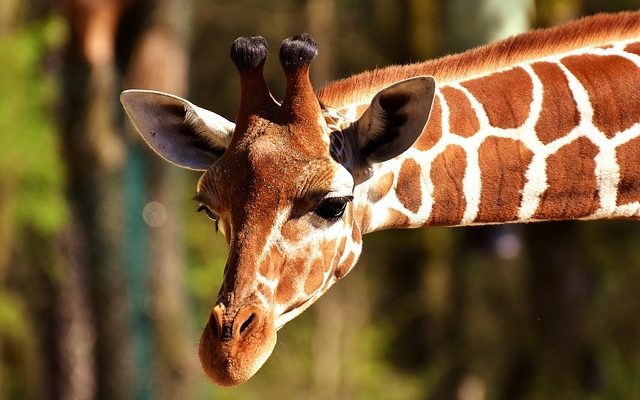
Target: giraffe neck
(550, 139)
(593, 31)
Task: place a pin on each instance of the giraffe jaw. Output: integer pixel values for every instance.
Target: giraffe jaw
(299, 309)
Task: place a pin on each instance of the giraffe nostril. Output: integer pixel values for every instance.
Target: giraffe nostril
(216, 321)
(213, 325)
(227, 333)
(246, 323)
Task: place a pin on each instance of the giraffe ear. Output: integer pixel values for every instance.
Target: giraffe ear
(394, 120)
(180, 132)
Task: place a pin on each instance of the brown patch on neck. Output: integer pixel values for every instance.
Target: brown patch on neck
(612, 83)
(593, 31)
(503, 163)
(462, 118)
(447, 173)
(628, 156)
(433, 130)
(396, 219)
(380, 188)
(559, 113)
(408, 188)
(573, 190)
(505, 96)
(633, 48)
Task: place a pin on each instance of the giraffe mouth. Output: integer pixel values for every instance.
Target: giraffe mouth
(292, 313)
(229, 360)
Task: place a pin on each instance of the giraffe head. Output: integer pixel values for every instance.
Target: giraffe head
(280, 188)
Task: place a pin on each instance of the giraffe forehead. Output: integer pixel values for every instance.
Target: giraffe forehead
(267, 172)
(286, 166)
(287, 143)
(307, 136)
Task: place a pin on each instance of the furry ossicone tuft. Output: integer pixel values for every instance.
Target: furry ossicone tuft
(249, 53)
(297, 51)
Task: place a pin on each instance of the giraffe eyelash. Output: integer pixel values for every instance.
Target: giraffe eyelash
(210, 214)
(332, 208)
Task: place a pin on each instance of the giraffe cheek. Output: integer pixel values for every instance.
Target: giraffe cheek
(293, 273)
(315, 278)
(345, 266)
(347, 256)
(292, 232)
(356, 236)
(286, 291)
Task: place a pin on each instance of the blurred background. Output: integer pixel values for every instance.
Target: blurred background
(107, 273)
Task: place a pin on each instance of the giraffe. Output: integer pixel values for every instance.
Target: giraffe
(540, 126)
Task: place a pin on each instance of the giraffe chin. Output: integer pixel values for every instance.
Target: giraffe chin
(232, 362)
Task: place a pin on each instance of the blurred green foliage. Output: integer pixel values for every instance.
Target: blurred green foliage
(29, 150)
(32, 176)
(32, 173)
(12, 315)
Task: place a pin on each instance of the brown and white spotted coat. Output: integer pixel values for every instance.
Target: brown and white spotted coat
(553, 136)
(542, 126)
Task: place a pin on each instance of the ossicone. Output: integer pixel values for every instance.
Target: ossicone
(249, 53)
(297, 51)
(300, 103)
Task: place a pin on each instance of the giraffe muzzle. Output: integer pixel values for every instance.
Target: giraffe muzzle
(234, 345)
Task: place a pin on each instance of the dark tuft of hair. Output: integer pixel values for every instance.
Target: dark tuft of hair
(247, 53)
(298, 51)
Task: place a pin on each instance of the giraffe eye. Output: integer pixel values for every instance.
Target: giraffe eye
(332, 208)
(209, 214)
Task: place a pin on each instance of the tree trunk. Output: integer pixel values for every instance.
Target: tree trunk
(75, 336)
(95, 156)
(160, 61)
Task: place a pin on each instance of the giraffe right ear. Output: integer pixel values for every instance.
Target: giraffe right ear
(394, 121)
(179, 131)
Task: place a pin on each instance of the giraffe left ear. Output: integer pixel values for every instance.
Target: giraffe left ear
(179, 131)
(394, 120)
